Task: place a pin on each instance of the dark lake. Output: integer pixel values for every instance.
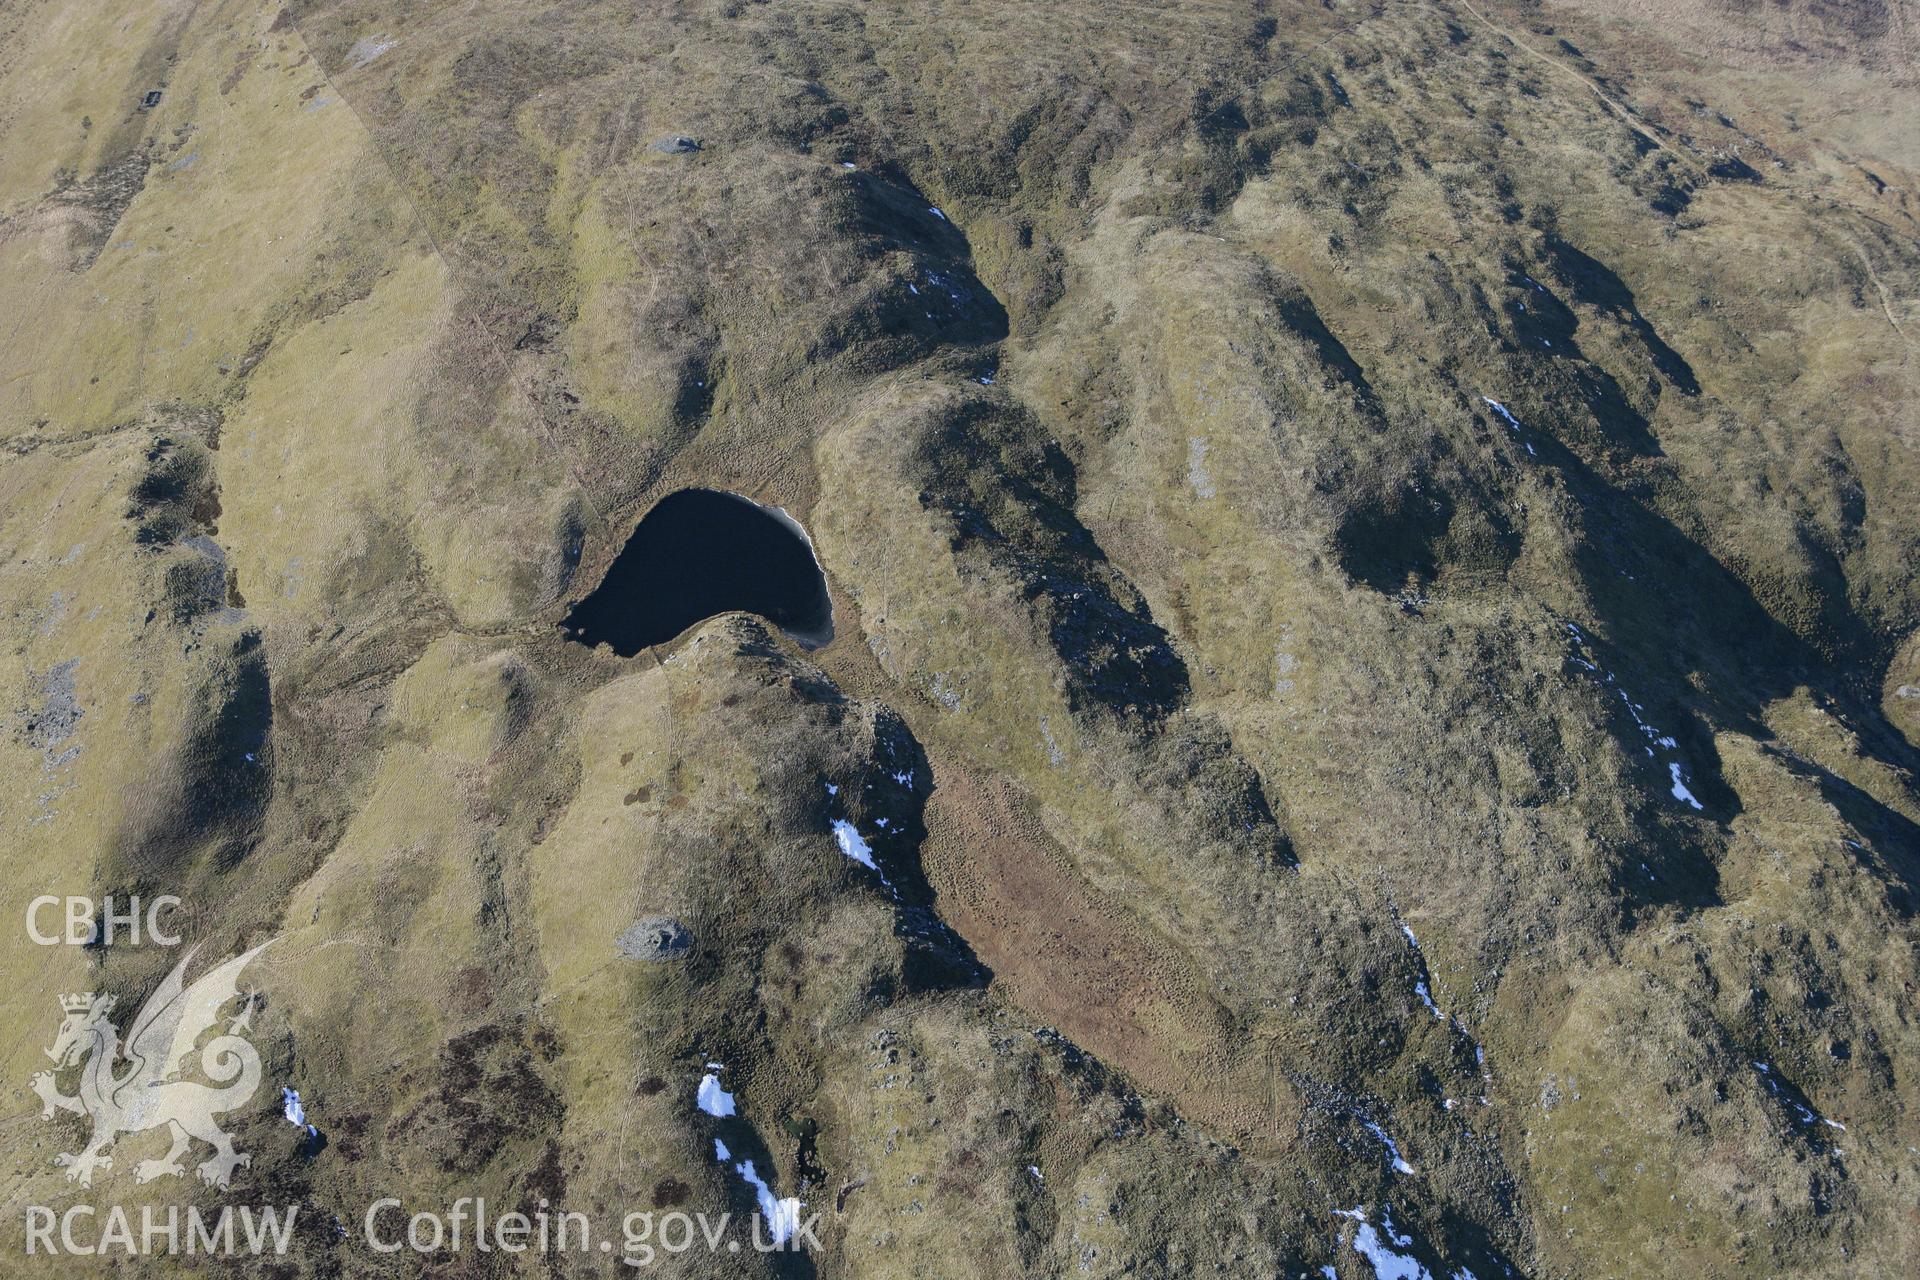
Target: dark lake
(698, 553)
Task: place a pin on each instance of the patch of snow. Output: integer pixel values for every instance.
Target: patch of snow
(713, 1099)
(1034, 1169)
(958, 294)
(853, 844)
(936, 213)
(1381, 1248)
(781, 1216)
(833, 789)
(1501, 409)
(1420, 985)
(1806, 1115)
(1680, 791)
(1654, 736)
(1393, 1150)
(295, 1112)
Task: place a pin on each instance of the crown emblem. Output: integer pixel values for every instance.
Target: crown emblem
(81, 1003)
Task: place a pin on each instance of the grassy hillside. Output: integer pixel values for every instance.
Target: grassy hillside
(1377, 633)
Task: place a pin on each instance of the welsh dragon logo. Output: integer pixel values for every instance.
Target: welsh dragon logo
(135, 1088)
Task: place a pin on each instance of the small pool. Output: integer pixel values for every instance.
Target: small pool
(702, 552)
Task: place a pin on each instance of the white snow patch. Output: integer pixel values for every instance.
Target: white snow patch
(1501, 409)
(1806, 1114)
(936, 213)
(713, 1099)
(1393, 1149)
(1382, 1251)
(1420, 986)
(1584, 658)
(853, 844)
(1680, 791)
(781, 1216)
(291, 1108)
